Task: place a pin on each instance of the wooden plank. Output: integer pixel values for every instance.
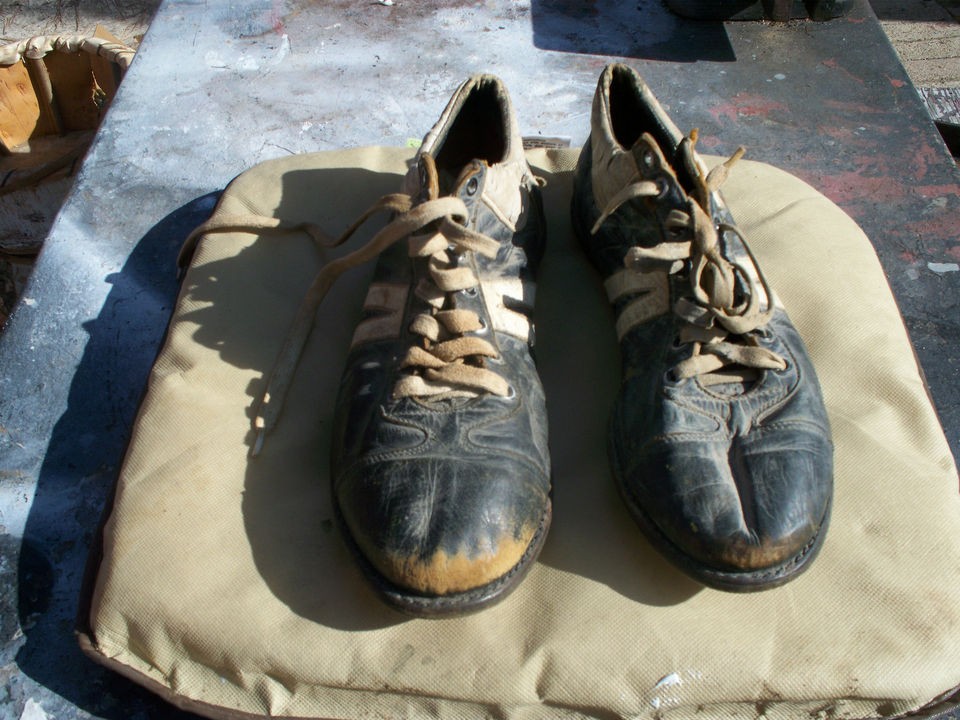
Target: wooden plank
(71, 75)
(19, 108)
(50, 121)
(943, 103)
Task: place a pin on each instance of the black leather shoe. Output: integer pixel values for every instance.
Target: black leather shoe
(778, 10)
(719, 439)
(441, 472)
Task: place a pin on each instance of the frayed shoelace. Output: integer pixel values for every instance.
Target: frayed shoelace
(716, 324)
(447, 362)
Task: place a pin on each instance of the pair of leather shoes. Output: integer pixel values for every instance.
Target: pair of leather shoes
(719, 440)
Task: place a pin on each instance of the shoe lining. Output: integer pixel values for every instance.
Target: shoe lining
(631, 117)
(479, 132)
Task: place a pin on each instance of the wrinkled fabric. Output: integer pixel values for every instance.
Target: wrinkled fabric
(224, 581)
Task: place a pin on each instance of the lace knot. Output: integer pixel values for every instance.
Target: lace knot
(726, 298)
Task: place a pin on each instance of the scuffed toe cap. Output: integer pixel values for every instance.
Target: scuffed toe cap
(739, 517)
(443, 526)
(444, 573)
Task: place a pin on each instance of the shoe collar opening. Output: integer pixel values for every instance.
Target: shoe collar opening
(477, 124)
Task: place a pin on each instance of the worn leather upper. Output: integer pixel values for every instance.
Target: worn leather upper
(730, 477)
(448, 498)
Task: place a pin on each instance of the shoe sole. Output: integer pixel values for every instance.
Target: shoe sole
(729, 581)
(453, 604)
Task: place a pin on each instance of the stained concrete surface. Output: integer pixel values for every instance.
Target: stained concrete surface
(925, 34)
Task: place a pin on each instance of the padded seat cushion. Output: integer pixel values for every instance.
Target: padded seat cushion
(222, 582)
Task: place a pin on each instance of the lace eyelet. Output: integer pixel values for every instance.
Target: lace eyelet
(473, 184)
(470, 291)
(670, 380)
(663, 187)
(649, 159)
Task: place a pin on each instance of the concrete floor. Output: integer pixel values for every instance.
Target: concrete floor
(925, 34)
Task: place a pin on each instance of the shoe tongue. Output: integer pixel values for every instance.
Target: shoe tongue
(731, 386)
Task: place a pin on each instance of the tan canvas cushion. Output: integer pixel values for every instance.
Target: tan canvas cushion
(225, 586)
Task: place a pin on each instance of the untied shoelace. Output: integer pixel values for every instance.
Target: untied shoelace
(446, 363)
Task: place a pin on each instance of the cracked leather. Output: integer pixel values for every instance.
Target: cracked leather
(465, 480)
(732, 482)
